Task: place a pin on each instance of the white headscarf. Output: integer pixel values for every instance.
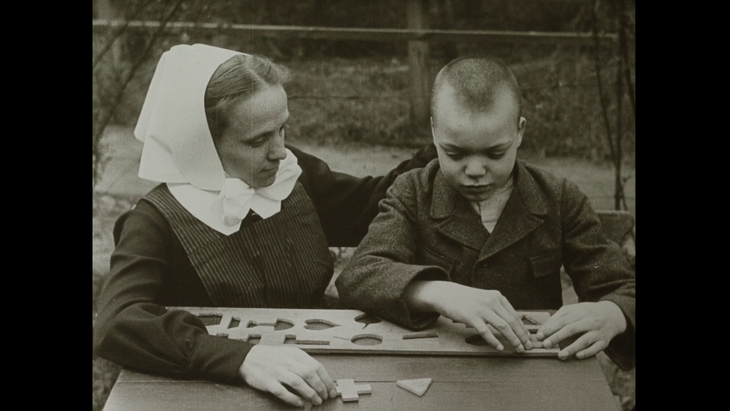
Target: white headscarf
(179, 150)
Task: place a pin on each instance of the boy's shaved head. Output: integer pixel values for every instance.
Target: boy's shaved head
(476, 82)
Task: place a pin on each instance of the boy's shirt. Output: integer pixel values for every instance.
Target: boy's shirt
(490, 209)
(427, 231)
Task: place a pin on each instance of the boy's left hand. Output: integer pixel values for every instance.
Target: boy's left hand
(598, 322)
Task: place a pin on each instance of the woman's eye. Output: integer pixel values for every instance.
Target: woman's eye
(255, 143)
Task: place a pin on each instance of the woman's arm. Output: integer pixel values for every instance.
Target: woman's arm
(345, 204)
(133, 330)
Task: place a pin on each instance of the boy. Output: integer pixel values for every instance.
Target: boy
(477, 234)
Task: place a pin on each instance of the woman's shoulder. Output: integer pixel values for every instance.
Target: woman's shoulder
(144, 217)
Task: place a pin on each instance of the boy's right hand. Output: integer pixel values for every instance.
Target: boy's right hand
(268, 368)
(474, 307)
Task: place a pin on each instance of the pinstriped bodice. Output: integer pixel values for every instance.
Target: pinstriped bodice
(279, 262)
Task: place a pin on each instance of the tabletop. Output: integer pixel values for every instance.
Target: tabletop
(459, 382)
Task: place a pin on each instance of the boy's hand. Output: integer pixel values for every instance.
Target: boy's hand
(598, 322)
(268, 368)
(474, 307)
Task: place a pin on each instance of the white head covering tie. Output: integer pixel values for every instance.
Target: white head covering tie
(178, 147)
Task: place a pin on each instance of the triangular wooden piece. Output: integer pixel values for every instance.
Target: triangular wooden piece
(418, 386)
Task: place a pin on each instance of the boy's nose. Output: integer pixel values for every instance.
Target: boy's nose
(474, 169)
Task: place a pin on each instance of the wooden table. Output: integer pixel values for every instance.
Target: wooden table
(459, 383)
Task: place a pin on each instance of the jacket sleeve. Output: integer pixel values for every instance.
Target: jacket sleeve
(345, 204)
(384, 263)
(131, 329)
(599, 269)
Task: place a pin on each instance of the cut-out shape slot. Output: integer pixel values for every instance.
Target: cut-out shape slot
(476, 339)
(292, 339)
(420, 335)
(318, 324)
(367, 339)
(280, 324)
(528, 320)
(210, 319)
(254, 339)
(234, 322)
(367, 319)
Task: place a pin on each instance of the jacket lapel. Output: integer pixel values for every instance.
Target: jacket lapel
(521, 214)
(460, 222)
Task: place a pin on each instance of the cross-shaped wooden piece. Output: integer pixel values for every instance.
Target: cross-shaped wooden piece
(347, 389)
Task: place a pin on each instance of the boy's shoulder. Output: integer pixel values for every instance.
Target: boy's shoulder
(539, 180)
(418, 179)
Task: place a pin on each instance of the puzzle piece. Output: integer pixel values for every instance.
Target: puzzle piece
(417, 386)
(347, 389)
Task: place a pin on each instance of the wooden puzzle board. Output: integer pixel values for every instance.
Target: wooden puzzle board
(355, 332)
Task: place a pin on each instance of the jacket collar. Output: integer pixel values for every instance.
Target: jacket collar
(522, 214)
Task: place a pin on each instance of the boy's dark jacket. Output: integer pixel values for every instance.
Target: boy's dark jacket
(427, 231)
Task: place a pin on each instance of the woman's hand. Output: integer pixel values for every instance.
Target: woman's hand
(598, 322)
(473, 307)
(270, 368)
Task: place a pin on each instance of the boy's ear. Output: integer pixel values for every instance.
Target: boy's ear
(433, 133)
(521, 130)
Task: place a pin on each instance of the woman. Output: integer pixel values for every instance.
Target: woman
(240, 220)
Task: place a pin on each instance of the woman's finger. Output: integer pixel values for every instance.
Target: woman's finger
(301, 387)
(280, 392)
(308, 372)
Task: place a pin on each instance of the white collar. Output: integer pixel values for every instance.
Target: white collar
(224, 210)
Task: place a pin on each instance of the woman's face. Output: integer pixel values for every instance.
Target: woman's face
(252, 145)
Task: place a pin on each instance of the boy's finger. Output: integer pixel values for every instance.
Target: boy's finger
(580, 344)
(522, 325)
(504, 328)
(592, 350)
(567, 331)
(487, 334)
(515, 323)
(554, 324)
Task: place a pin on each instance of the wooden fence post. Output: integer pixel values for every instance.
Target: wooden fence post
(109, 10)
(420, 81)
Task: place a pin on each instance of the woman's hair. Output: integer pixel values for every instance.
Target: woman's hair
(235, 80)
